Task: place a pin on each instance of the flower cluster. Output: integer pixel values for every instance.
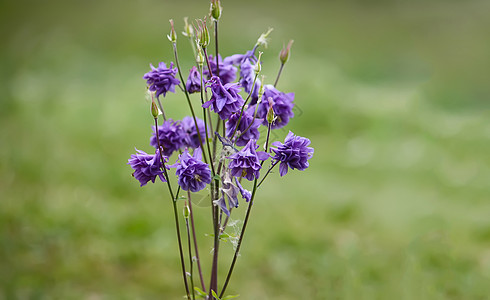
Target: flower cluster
(217, 146)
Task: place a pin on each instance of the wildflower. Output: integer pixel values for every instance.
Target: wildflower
(191, 138)
(193, 174)
(228, 191)
(225, 100)
(248, 128)
(245, 193)
(162, 79)
(247, 76)
(193, 83)
(294, 153)
(282, 106)
(171, 137)
(246, 162)
(146, 167)
(227, 72)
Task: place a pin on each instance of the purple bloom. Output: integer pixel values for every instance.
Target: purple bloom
(162, 79)
(282, 106)
(147, 167)
(189, 127)
(294, 153)
(193, 174)
(231, 192)
(247, 76)
(245, 193)
(170, 135)
(246, 162)
(247, 123)
(193, 83)
(225, 100)
(227, 72)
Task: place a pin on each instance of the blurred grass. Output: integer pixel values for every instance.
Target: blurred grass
(393, 95)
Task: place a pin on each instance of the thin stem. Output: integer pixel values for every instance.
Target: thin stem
(188, 99)
(278, 74)
(196, 248)
(207, 62)
(206, 122)
(213, 286)
(189, 247)
(268, 171)
(243, 107)
(176, 216)
(235, 256)
(216, 45)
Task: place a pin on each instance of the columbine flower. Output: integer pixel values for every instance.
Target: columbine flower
(294, 153)
(193, 83)
(282, 106)
(248, 129)
(227, 72)
(193, 174)
(245, 193)
(246, 162)
(162, 79)
(231, 192)
(189, 127)
(146, 167)
(225, 100)
(247, 75)
(171, 137)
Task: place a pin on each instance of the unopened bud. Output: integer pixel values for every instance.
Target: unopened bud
(258, 65)
(188, 31)
(215, 10)
(187, 211)
(155, 111)
(263, 39)
(284, 54)
(270, 112)
(172, 36)
(199, 57)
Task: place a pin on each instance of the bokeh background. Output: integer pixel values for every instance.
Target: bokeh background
(394, 96)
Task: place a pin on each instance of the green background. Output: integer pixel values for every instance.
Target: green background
(394, 96)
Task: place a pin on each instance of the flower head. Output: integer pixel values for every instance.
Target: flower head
(170, 135)
(246, 162)
(193, 173)
(228, 191)
(245, 193)
(193, 83)
(225, 99)
(191, 137)
(227, 72)
(294, 153)
(248, 129)
(162, 79)
(146, 167)
(282, 106)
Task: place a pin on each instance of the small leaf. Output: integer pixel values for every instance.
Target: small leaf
(216, 177)
(230, 297)
(201, 293)
(215, 295)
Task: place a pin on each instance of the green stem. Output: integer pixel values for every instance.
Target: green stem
(189, 247)
(176, 216)
(196, 248)
(278, 74)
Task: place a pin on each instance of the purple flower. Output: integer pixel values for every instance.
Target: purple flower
(225, 100)
(246, 162)
(161, 79)
(189, 127)
(170, 135)
(282, 106)
(193, 83)
(227, 72)
(147, 167)
(248, 128)
(294, 153)
(230, 191)
(193, 174)
(245, 193)
(247, 76)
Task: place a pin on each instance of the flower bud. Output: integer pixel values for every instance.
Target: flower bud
(263, 39)
(199, 57)
(284, 54)
(172, 36)
(258, 65)
(188, 31)
(215, 10)
(187, 211)
(202, 35)
(270, 112)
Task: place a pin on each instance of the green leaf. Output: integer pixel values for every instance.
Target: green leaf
(201, 293)
(217, 177)
(215, 295)
(230, 297)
